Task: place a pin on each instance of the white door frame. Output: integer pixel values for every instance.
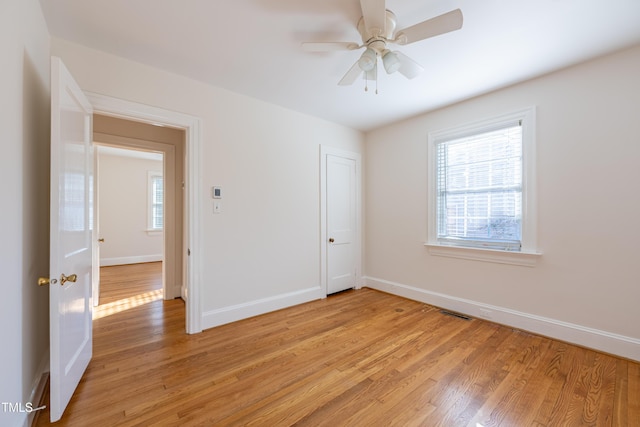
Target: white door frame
(324, 151)
(115, 107)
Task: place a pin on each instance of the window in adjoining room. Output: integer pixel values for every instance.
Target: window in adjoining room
(156, 202)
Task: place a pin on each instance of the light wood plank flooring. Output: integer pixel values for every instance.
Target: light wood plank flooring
(124, 281)
(359, 358)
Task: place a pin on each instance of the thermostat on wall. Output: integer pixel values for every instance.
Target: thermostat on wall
(216, 192)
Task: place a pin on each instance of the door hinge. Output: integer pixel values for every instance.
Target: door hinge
(188, 252)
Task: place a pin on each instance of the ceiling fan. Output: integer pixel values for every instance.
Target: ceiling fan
(377, 27)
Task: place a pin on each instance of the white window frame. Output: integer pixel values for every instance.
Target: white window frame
(151, 175)
(528, 253)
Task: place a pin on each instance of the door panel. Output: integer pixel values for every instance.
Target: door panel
(71, 237)
(341, 223)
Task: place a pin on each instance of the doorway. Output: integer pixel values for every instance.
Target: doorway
(133, 155)
(129, 219)
(192, 126)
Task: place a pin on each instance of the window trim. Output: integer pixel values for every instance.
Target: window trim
(150, 177)
(528, 253)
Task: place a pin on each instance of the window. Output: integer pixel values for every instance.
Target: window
(481, 186)
(156, 202)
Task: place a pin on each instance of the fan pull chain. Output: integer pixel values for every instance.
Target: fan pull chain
(376, 71)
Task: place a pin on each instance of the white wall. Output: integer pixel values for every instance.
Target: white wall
(123, 205)
(586, 286)
(264, 246)
(24, 216)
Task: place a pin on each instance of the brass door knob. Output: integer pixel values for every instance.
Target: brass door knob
(42, 281)
(64, 279)
(101, 240)
(331, 240)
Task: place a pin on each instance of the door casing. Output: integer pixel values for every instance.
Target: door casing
(192, 126)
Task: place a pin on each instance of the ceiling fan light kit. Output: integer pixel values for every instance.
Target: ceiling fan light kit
(390, 61)
(368, 60)
(377, 28)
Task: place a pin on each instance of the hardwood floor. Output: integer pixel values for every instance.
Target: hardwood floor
(359, 358)
(123, 281)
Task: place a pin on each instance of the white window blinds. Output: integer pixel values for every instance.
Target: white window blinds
(479, 189)
(157, 196)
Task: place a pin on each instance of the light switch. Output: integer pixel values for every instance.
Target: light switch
(217, 207)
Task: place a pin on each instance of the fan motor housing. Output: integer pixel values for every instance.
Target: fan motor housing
(378, 42)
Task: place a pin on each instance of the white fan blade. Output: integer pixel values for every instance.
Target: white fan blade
(442, 24)
(329, 46)
(374, 13)
(408, 67)
(351, 76)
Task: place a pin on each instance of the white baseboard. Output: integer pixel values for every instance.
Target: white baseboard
(233, 313)
(38, 387)
(587, 337)
(106, 262)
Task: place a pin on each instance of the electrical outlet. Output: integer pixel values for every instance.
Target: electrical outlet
(487, 314)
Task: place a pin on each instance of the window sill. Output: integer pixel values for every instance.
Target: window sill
(527, 259)
(154, 232)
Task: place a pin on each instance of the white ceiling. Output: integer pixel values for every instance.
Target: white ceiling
(252, 47)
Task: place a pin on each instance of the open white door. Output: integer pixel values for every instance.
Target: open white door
(71, 236)
(97, 240)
